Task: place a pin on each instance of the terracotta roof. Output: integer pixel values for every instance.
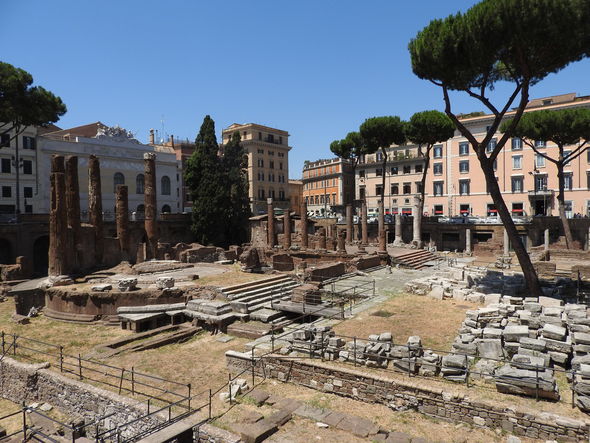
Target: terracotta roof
(90, 130)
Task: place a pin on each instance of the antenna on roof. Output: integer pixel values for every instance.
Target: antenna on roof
(163, 132)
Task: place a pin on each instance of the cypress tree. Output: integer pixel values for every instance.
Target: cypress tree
(205, 179)
(235, 164)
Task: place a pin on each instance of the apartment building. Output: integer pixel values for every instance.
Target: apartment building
(268, 164)
(296, 195)
(403, 175)
(328, 185)
(455, 184)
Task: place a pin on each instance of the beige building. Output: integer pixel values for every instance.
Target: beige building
(455, 184)
(296, 195)
(327, 185)
(268, 163)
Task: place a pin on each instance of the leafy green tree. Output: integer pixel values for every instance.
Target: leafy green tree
(516, 41)
(235, 167)
(563, 127)
(425, 129)
(23, 105)
(208, 191)
(379, 133)
(352, 148)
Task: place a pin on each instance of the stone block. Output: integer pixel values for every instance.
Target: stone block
(165, 282)
(515, 333)
(127, 284)
(490, 348)
(555, 332)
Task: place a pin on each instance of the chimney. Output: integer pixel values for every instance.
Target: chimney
(151, 137)
(172, 141)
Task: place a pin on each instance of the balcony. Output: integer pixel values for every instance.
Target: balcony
(541, 193)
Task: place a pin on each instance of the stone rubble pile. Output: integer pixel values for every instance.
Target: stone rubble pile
(474, 284)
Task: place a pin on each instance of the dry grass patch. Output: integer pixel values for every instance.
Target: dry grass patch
(232, 276)
(435, 321)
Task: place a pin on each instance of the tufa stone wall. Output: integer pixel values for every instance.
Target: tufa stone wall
(35, 383)
(400, 395)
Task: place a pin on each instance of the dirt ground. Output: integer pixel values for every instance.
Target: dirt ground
(435, 321)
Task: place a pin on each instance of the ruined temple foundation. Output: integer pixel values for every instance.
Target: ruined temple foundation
(304, 237)
(151, 223)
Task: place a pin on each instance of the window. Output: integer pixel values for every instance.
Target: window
(491, 145)
(418, 168)
(539, 161)
(495, 165)
(271, 139)
(260, 138)
(362, 193)
(139, 184)
(394, 189)
(566, 154)
(407, 169)
(437, 151)
(362, 173)
(540, 182)
(464, 148)
(118, 179)
(6, 166)
(379, 156)
(260, 192)
(407, 188)
(394, 169)
(438, 209)
(317, 200)
(588, 179)
(282, 195)
(29, 142)
(260, 163)
(463, 187)
(540, 144)
(437, 168)
(166, 209)
(438, 188)
(517, 144)
(492, 210)
(517, 184)
(281, 166)
(464, 209)
(568, 181)
(28, 192)
(5, 141)
(281, 154)
(280, 143)
(6, 192)
(261, 151)
(271, 165)
(378, 172)
(517, 162)
(464, 166)
(517, 209)
(27, 167)
(378, 190)
(418, 187)
(321, 199)
(165, 185)
(569, 208)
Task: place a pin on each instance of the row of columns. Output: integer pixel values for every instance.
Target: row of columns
(65, 242)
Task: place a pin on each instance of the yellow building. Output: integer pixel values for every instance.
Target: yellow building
(268, 163)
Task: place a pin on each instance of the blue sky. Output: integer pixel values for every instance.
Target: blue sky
(315, 68)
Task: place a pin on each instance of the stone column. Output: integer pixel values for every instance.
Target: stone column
(341, 242)
(322, 238)
(364, 225)
(58, 219)
(73, 210)
(304, 238)
(349, 235)
(546, 240)
(151, 205)
(95, 207)
(382, 238)
(398, 229)
(416, 221)
(506, 243)
(122, 213)
(271, 223)
(468, 241)
(287, 229)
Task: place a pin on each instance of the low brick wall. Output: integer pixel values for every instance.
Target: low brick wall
(35, 383)
(433, 402)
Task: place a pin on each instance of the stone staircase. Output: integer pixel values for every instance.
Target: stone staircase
(414, 259)
(254, 298)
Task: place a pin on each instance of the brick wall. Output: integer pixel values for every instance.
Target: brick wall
(433, 402)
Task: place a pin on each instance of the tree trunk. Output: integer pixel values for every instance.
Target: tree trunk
(523, 257)
(569, 240)
(420, 209)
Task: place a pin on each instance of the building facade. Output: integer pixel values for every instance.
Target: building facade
(328, 185)
(455, 184)
(296, 195)
(268, 164)
(121, 163)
